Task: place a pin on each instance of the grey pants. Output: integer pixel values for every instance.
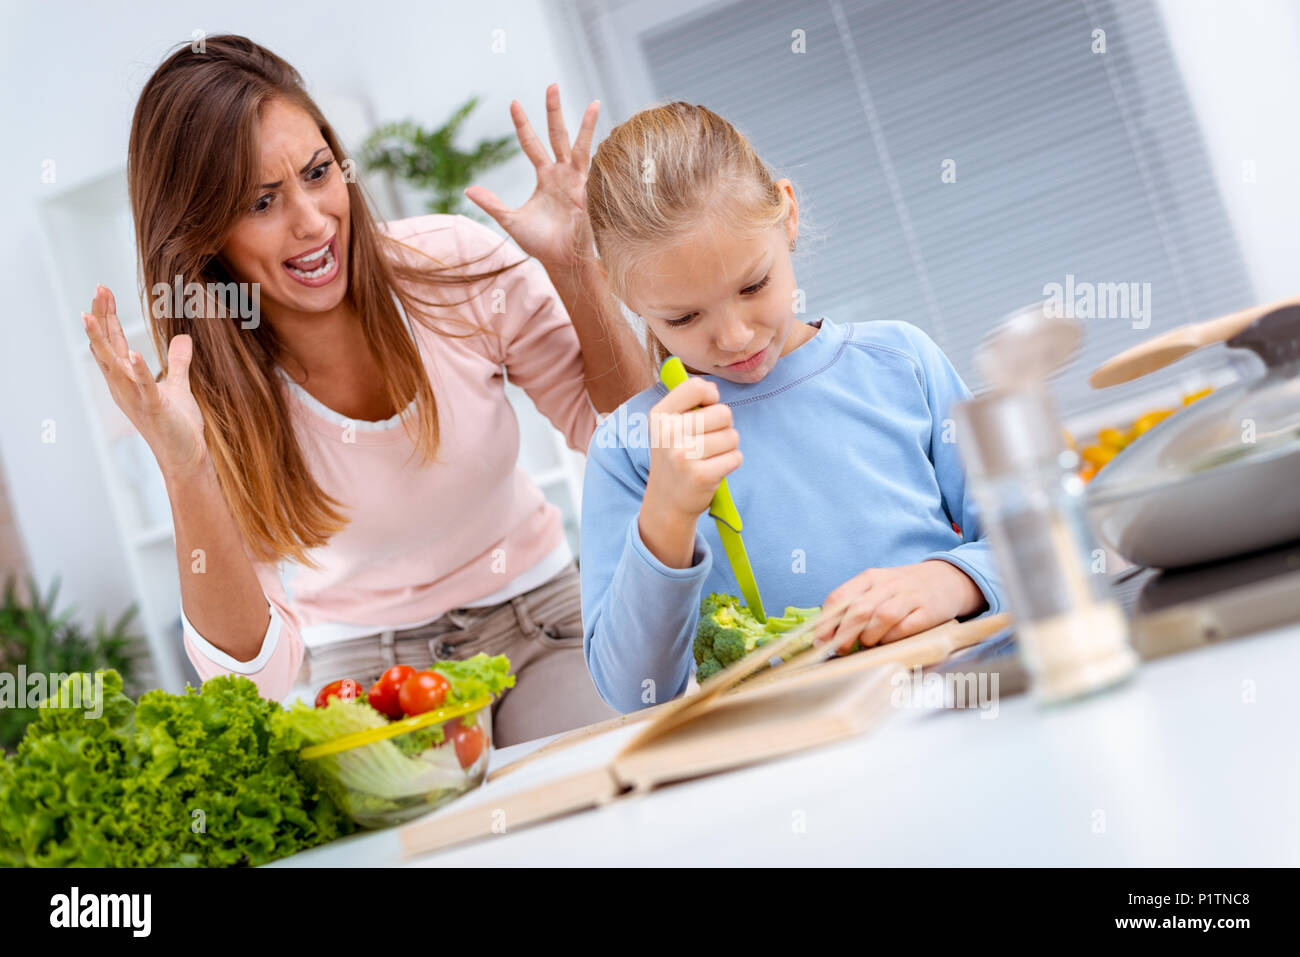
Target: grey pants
(540, 632)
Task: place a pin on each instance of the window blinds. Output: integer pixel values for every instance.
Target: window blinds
(955, 160)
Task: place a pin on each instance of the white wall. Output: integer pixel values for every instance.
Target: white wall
(1240, 60)
(71, 74)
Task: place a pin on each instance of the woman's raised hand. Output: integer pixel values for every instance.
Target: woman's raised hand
(165, 412)
(553, 224)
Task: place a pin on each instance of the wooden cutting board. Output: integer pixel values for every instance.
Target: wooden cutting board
(920, 650)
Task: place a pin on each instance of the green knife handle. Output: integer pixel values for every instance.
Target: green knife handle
(724, 513)
(673, 374)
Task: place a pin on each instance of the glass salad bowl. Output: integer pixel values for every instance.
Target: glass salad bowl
(398, 770)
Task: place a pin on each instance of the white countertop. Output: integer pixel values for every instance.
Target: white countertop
(1176, 768)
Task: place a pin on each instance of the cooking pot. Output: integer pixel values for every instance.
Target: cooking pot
(1220, 477)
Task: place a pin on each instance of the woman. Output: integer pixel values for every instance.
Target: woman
(342, 468)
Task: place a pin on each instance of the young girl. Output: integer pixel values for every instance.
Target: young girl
(850, 486)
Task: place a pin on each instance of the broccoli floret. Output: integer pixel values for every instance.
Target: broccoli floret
(727, 631)
(703, 647)
(714, 610)
(707, 668)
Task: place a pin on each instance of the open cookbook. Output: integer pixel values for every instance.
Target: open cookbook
(782, 698)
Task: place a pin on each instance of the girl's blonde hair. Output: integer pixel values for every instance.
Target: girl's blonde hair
(664, 172)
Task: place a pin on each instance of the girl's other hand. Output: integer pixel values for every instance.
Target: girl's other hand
(692, 451)
(164, 413)
(885, 604)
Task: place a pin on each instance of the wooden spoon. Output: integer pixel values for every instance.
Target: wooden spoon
(1165, 348)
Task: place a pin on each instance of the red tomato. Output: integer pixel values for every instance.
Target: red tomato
(384, 692)
(344, 688)
(423, 691)
(469, 741)
(384, 701)
(396, 676)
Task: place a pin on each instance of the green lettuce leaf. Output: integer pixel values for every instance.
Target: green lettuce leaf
(198, 779)
(475, 677)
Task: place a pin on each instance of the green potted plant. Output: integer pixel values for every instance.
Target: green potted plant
(430, 161)
(47, 642)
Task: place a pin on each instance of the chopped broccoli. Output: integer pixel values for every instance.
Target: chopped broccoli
(707, 668)
(727, 631)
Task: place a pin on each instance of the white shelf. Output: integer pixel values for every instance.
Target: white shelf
(554, 467)
(89, 239)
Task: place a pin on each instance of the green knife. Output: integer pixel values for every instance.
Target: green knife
(724, 513)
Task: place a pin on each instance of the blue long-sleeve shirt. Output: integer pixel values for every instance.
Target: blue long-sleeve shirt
(849, 464)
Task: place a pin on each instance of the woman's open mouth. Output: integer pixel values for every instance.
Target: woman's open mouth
(744, 365)
(315, 267)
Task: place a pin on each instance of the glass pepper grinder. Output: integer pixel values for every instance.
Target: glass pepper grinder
(1072, 634)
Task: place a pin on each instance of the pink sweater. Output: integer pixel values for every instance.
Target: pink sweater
(423, 540)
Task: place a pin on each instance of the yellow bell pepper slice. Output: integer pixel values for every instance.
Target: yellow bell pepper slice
(1098, 455)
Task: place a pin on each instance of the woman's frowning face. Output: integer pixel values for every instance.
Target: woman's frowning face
(293, 239)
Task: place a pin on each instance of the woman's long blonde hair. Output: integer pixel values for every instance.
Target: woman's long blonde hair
(192, 171)
(661, 174)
